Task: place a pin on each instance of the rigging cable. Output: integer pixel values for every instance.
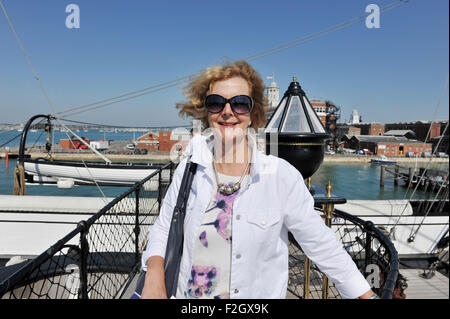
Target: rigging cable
(392, 230)
(40, 83)
(258, 55)
(429, 129)
(19, 135)
(418, 182)
(118, 126)
(49, 101)
(414, 233)
(15, 137)
(71, 113)
(161, 86)
(321, 33)
(155, 88)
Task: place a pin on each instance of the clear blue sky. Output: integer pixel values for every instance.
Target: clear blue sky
(394, 73)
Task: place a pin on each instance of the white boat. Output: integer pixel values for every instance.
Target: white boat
(131, 146)
(68, 173)
(382, 159)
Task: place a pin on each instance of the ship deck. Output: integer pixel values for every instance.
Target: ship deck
(437, 287)
(421, 288)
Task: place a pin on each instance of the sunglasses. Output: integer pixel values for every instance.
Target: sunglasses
(240, 104)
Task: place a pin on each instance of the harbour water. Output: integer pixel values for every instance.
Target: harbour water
(349, 180)
(362, 181)
(7, 186)
(39, 137)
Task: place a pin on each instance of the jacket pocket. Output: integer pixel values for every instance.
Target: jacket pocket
(264, 225)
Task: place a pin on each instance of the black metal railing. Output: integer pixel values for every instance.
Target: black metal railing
(371, 250)
(100, 258)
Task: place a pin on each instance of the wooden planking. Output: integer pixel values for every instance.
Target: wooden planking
(421, 288)
(436, 287)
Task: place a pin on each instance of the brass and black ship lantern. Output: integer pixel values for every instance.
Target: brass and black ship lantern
(295, 132)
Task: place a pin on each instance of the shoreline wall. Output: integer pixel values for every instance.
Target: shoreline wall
(367, 159)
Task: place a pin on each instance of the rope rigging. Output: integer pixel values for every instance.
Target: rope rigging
(124, 97)
(168, 84)
(119, 126)
(74, 110)
(392, 230)
(414, 233)
(20, 167)
(9, 141)
(315, 35)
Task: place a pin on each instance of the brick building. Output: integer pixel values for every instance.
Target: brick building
(326, 111)
(148, 141)
(387, 145)
(441, 143)
(420, 128)
(373, 129)
(401, 133)
(343, 129)
(163, 141)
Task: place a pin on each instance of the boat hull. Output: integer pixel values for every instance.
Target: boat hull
(383, 162)
(123, 174)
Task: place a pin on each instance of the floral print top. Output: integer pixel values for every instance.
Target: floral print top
(211, 266)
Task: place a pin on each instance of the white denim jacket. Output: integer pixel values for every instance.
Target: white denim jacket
(274, 201)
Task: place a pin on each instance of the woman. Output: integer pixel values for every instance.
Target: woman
(241, 205)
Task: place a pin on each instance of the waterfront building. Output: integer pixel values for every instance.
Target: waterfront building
(355, 118)
(401, 133)
(328, 114)
(441, 143)
(163, 141)
(374, 129)
(272, 96)
(343, 129)
(388, 145)
(149, 141)
(420, 128)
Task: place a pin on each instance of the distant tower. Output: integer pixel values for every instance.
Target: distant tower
(354, 118)
(273, 93)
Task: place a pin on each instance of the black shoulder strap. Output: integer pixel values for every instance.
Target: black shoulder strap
(185, 186)
(174, 248)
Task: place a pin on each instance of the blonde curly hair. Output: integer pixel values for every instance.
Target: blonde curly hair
(197, 90)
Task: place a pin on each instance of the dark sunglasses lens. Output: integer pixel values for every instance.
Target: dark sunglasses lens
(241, 104)
(214, 104)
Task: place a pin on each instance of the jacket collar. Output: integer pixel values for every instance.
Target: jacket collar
(200, 148)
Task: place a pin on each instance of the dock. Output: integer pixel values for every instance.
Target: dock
(85, 156)
(339, 158)
(116, 152)
(428, 180)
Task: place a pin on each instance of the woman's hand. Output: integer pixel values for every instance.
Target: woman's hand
(154, 286)
(368, 295)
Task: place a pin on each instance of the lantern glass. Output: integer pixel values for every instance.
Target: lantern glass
(274, 123)
(316, 123)
(295, 120)
(295, 114)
